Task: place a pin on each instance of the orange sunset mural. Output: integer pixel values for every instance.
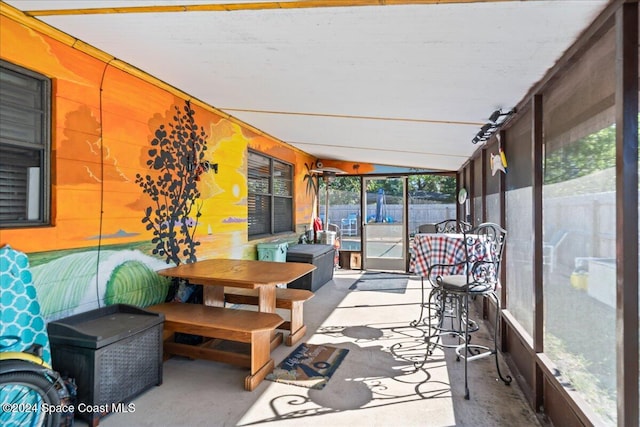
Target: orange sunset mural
(107, 235)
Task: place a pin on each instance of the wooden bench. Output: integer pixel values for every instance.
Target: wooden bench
(221, 324)
(288, 299)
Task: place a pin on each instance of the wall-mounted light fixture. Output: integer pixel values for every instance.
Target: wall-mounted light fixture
(495, 116)
(496, 120)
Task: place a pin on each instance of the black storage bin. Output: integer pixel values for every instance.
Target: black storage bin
(114, 353)
(322, 256)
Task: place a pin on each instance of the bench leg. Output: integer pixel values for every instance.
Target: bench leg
(297, 327)
(276, 340)
(296, 336)
(167, 336)
(261, 362)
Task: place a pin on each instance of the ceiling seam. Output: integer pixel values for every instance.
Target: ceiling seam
(378, 149)
(232, 7)
(349, 116)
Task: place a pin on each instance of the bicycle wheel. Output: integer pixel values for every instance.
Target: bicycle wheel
(22, 395)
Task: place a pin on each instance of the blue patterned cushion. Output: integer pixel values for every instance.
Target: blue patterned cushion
(19, 309)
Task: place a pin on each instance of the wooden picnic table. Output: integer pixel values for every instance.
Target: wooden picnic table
(215, 274)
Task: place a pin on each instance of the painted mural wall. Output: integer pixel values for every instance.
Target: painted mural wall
(108, 127)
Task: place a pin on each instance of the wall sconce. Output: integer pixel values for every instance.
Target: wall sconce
(488, 129)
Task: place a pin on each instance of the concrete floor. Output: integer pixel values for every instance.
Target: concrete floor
(377, 383)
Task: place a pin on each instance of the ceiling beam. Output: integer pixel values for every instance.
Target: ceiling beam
(231, 7)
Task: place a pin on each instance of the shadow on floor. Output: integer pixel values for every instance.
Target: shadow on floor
(377, 382)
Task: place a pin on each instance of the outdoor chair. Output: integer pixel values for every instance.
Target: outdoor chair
(452, 226)
(423, 228)
(427, 228)
(446, 226)
(349, 225)
(453, 285)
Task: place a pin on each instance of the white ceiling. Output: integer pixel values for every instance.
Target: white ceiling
(401, 85)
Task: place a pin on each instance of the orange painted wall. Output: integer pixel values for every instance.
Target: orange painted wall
(103, 121)
(91, 174)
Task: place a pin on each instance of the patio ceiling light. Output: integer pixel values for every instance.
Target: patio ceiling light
(488, 129)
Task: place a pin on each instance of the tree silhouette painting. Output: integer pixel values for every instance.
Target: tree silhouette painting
(312, 181)
(177, 151)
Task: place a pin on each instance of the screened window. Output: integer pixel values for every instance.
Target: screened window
(270, 200)
(519, 221)
(579, 228)
(24, 147)
(476, 191)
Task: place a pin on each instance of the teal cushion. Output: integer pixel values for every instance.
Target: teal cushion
(20, 313)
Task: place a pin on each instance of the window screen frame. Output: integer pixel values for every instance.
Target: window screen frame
(276, 199)
(41, 150)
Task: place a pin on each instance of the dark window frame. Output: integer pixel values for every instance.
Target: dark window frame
(25, 146)
(270, 196)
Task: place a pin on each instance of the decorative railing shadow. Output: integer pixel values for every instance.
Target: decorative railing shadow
(379, 332)
(371, 376)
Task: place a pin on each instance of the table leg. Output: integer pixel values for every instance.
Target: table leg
(267, 304)
(267, 299)
(214, 296)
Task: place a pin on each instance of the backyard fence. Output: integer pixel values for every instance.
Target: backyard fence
(418, 213)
